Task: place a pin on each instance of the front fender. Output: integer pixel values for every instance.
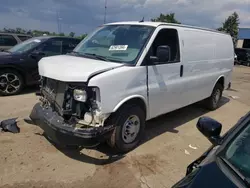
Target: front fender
(130, 98)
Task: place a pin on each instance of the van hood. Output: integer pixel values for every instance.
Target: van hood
(69, 68)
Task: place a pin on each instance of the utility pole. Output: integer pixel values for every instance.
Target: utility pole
(58, 22)
(105, 12)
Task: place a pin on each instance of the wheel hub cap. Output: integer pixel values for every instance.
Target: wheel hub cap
(131, 129)
(9, 83)
(217, 96)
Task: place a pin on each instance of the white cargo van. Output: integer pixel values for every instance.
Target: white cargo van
(126, 73)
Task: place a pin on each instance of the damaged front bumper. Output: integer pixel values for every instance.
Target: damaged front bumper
(65, 134)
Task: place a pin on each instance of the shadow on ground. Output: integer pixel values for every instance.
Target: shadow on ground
(29, 89)
(154, 128)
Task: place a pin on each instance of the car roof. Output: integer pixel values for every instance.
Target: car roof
(156, 24)
(1, 33)
(50, 37)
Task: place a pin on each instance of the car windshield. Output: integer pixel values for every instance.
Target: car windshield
(26, 45)
(118, 43)
(238, 152)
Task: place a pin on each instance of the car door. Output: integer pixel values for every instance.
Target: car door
(165, 79)
(48, 48)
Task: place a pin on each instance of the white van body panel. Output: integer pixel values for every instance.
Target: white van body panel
(119, 85)
(207, 56)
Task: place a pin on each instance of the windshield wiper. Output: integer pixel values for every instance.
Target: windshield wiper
(246, 180)
(97, 56)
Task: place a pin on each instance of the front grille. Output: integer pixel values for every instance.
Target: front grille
(54, 91)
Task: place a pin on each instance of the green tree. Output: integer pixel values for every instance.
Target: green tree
(82, 36)
(71, 34)
(169, 18)
(231, 26)
(61, 34)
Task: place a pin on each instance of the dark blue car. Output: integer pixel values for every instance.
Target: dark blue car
(226, 163)
(19, 65)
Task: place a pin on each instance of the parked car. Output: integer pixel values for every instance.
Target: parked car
(226, 163)
(126, 73)
(8, 40)
(243, 56)
(19, 65)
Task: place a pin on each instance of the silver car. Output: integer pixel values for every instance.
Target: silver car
(8, 40)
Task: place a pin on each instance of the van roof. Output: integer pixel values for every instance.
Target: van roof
(156, 24)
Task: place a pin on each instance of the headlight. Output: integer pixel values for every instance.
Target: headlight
(80, 95)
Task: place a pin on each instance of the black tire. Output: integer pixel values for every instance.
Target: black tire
(212, 103)
(116, 140)
(19, 82)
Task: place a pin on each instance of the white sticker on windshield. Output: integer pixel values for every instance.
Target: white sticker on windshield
(36, 40)
(118, 48)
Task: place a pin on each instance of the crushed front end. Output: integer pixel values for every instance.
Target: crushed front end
(69, 113)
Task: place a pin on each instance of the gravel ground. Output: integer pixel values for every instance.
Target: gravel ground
(28, 159)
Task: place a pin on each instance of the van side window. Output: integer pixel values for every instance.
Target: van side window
(170, 38)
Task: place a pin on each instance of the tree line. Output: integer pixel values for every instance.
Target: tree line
(36, 33)
(230, 26)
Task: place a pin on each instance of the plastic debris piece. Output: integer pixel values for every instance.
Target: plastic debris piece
(10, 125)
(234, 97)
(187, 152)
(192, 147)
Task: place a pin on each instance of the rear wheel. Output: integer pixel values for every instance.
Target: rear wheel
(212, 103)
(130, 124)
(11, 82)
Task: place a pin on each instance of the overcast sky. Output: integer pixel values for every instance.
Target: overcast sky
(82, 16)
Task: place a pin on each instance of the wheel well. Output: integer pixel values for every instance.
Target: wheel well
(16, 70)
(221, 81)
(135, 101)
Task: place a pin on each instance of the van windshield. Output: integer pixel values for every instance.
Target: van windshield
(118, 43)
(26, 45)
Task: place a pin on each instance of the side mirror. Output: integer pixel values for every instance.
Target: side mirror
(211, 129)
(162, 55)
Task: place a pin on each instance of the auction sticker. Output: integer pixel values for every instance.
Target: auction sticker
(118, 47)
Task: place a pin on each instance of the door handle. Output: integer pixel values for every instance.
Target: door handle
(181, 71)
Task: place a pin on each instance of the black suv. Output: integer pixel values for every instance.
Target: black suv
(243, 56)
(19, 65)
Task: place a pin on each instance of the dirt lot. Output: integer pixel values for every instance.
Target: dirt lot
(28, 159)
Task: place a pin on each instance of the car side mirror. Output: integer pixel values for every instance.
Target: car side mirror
(211, 129)
(162, 55)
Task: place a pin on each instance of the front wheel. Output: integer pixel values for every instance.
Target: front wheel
(212, 103)
(130, 124)
(11, 82)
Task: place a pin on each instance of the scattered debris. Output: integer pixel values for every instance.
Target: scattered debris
(187, 152)
(10, 125)
(234, 97)
(192, 147)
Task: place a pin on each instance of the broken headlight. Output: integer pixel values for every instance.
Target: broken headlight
(80, 95)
